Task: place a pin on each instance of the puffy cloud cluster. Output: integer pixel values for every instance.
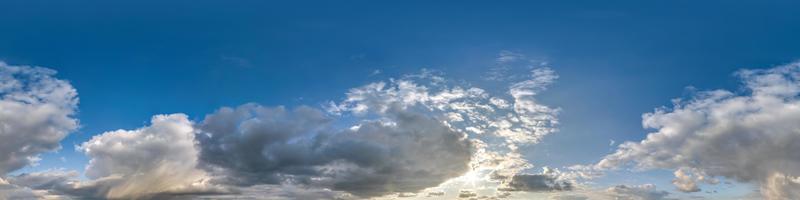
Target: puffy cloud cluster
(404, 136)
(160, 158)
(386, 138)
(497, 123)
(520, 121)
(752, 136)
(152, 162)
(36, 113)
(258, 145)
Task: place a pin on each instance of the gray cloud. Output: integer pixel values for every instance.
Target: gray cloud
(639, 192)
(536, 183)
(51, 184)
(255, 144)
(748, 137)
(37, 113)
(405, 152)
(10, 191)
(498, 125)
(401, 138)
(53, 179)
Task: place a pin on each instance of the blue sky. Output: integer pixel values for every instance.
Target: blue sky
(615, 59)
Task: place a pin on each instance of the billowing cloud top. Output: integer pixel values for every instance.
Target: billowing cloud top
(154, 159)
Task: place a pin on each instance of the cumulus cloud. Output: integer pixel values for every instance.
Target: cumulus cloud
(401, 136)
(36, 113)
(750, 136)
(497, 123)
(407, 153)
(397, 137)
(415, 153)
(160, 158)
(253, 143)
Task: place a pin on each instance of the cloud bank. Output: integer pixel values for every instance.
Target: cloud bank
(258, 145)
(750, 136)
(387, 138)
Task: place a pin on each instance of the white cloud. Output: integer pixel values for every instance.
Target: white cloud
(155, 159)
(497, 126)
(749, 137)
(36, 113)
(532, 115)
(522, 120)
(404, 136)
(506, 56)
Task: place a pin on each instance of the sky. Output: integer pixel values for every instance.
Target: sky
(399, 100)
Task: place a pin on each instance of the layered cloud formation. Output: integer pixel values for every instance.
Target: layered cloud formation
(751, 136)
(394, 138)
(419, 135)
